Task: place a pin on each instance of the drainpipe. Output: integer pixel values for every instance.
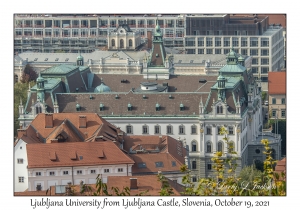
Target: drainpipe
(127, 169)
(72, 176)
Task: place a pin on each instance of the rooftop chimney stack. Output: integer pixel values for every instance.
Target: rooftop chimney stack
(133, 183)
(48, 120)
(82, 121)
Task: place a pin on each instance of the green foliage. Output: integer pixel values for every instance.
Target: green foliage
(263, 96)
(227, 183)
(101, 189)
(28, 74)
(20, 93)
(166, 189)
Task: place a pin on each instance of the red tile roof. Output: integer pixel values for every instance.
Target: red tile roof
(277, 82)
(67, 125)
(144, 183)
(42, 155)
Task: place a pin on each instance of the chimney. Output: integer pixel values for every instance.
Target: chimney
(133, 183)
(149, 37)
(22, 132)
(82, 121)
(48, 120)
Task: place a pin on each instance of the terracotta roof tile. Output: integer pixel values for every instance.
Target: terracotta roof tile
(277, 82)
(39, 155)
(149, 182)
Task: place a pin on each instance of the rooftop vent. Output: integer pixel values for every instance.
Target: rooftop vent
(202, 80)
(56, 59)
(129, 107)
(144, 97)
(101, 107)
(46, 59)
(35, 59)
(170, 97)
(157, 106)
(165, 84)
(66, 59)
(124, 81)
(116, 97)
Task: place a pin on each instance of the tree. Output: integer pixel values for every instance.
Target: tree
(227, 183)
(263, 96)
(248, 174)
(29, 74)
(20, 94)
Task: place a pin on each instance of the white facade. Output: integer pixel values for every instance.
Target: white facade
(20, 167)
(46, 177)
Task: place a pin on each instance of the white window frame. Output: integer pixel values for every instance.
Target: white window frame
(79, 172)
(65, 172)
(38, 173)
(93, 171)
(51, 173)
(21, 179)
(120, 170)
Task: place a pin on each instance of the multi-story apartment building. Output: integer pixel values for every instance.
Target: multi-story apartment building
(194, 34)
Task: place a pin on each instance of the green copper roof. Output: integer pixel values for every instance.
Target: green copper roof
(40, 78)
(230, 82)
(49, 84)
(102, 88)
(233, 68)
(79, 57)
(61, 69)
(241, 58)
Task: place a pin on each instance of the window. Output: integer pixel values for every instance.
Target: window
(65, 172)
(283, 113)
(230, 130)
(219, 130)
(218, 51)
(264, 52)
(226, 51)
(254, 70)
(209, 166)
(20, 160)
(106, 170)
(226, 42)
(52, 173)
(254, 61)
(121, 43)
(145, 129)
(120, 169)
(38, 173)
(265, 61)
(220, 147)
(194, 146)
(209, 42)
(173, 163)
(130, 42)
(129, 129)
(283, 101)
(219, 109)
(244, 52)
(218, 42)
(200, 41)
(194, 164)
(230, 146)
(257, 151)
(157, 129)
(142, 165)
(273, 100)
(264, 70)
(93, 171)
(194, 129)
(235, 41)
(169, 129)
(21, 179)
(200, 51)
(208, 147)
(253, 42)
(80, 157)
(181, 129)
(113, 43)
(253, 52)
(264, 42)
(79, 171)
(209, 51)
(244, 42)
(208, 130)
(194, 179)
(159, 164)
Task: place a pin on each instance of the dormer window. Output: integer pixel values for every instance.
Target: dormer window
(129, 107)
(219, 109)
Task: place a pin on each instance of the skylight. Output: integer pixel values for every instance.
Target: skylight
(159, 164)
(142, 165)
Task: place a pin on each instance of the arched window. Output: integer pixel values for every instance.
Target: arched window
(231, 147)
(38, 109)
(113, 43)
(121, 43)
(208, 147)
(219, 109)
(194, 146)
(130, 42)
(220, 147)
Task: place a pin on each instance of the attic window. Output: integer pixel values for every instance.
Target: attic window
(142, 165)
(66, 59)
(80, 157)
(35, 59)
(159, 164)
(56, 59)
(46, 59)
(129, 107)
(179, 61)
(100, 154)
(191, 61)
(173, 163)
